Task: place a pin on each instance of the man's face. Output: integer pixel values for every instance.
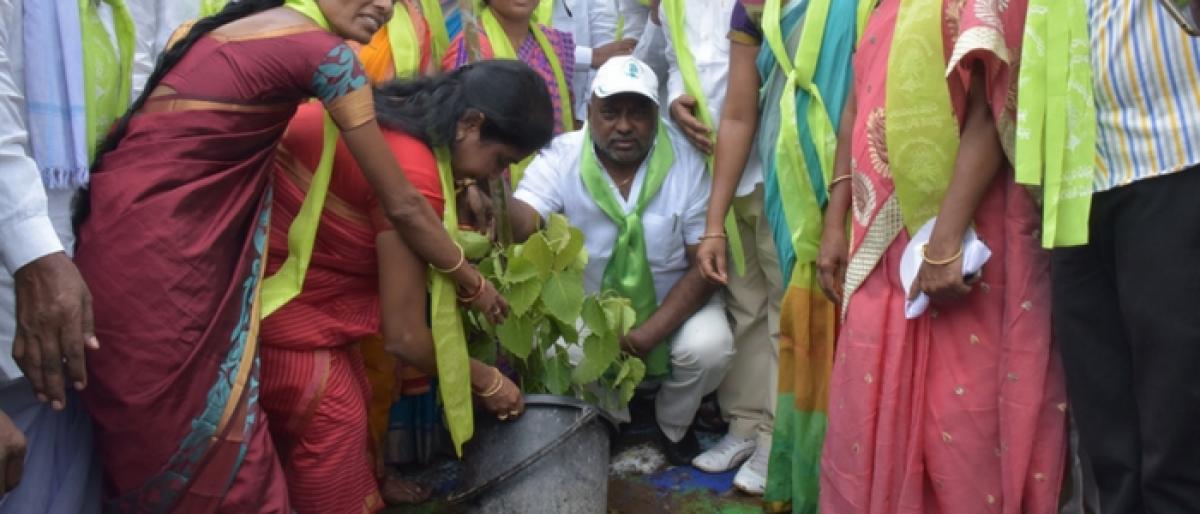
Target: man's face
(623, 127)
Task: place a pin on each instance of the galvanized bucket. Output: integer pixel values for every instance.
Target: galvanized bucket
(552, 460)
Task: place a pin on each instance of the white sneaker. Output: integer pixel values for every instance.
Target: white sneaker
(729, 453)
(752, 478)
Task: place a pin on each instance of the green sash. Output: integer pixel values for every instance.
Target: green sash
(104, 67)
(211, 7)
(449, 340)
(502, 49)
(675, 12)
(922, 131)
(286, 283)
(796, 182)
(628, 271)
(1056, 93)
(402, 40)
(436, 19)
(544, 12)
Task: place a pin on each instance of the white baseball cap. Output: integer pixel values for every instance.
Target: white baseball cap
(625, 74)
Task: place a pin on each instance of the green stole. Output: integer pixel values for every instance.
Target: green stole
(675, 12)
(628, 271)
(211, 7)
(436, 19)
(449, 340)
(922, 130)
(1054, 93)
(796, 182)
(107, 72)
(402, 41)
(502, 49)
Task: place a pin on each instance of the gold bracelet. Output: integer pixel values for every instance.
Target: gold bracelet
(944, 262)
(462, 259)
(496, 386)
(462, 185)
(713, 236)
(836, 181)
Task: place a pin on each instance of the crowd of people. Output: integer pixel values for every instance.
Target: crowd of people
(919, 251)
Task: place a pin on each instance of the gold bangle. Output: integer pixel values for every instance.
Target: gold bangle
(496, 386)
(462, 259)
(713, 236)
(943, 262)
(836, 181)
(462, 185)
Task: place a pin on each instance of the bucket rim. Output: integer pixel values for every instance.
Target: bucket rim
(559, 400)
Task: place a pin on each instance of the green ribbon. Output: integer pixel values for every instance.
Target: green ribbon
(450, 342)
(675, 13)
(211, 7)
(628, 271)
(620, 32)
(288, 281)
(402, 41)
(502, 49)
(1054, 93)
(544, 12)
(922, 131)
(311, 9)
(436, 19)
(804, 209)
(107, 72)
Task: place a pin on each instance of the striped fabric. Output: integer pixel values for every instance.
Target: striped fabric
(1147, 76)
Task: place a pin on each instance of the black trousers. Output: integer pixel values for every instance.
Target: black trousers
(1127, 317)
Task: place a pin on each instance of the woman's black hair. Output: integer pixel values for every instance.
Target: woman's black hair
(510, 95)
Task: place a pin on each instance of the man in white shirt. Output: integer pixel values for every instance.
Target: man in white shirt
(601, 171)
(45, 307)
(748, 394)
(593, 26)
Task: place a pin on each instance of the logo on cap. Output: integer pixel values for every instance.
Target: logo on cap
(633, 71)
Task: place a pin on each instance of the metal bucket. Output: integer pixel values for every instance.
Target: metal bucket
(552, 460)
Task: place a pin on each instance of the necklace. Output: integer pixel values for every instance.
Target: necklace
(621, 184)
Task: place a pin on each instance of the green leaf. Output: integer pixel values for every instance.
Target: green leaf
(537, 251)
(636, 372)
(569, 253)
(580, 262)
(557, 374)
(487, 267)
(594, 317)
(521, 269)
(567, 331)
(516, 335)
(558, 233)
(620, 313)
(522, 295)
(475, 245)
(562, 296)
(598, 354)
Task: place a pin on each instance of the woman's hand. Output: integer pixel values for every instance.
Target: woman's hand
(487, 300)
(507, 402)
(712, 257)
(476, 209)
(944, 283)
(831, 262)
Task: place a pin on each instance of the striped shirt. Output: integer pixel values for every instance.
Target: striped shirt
(1147, 81)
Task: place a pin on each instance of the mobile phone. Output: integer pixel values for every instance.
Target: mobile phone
(1185, 13)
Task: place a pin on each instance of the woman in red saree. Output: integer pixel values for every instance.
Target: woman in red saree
(961, 409)
(364, 279)
(174, 247)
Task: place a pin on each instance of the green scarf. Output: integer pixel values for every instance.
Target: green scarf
(288, 281)
(211, 7)
(1055, 92)
(796, 183)
(104, 67)
(628, 271)
(675, 12)
(436, 19)
(502, 49)
(402, 40)
(450, 343)
(544, 12)
(922, 131)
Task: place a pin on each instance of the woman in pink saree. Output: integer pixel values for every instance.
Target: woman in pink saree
(963, 408)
